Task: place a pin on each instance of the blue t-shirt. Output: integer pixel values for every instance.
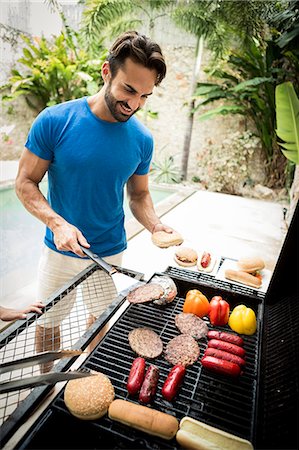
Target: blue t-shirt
(91, 161)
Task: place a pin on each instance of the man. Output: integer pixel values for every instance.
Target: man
(91, 148)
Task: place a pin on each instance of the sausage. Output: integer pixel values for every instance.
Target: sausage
(227, 337)
(227, 347)
(136, 376)
(149, 385)
(173, 382)
(224, 355)
(221, 366)
(205, 260)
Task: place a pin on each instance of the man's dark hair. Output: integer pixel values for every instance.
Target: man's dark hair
(140, 49)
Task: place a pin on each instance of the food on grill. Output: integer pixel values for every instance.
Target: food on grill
(145, 342)
(243, 278)
(224, 336)
(189, 323)
(219, 311)
(145, 293)
(185, 256)
(136, 376)
(163, 239)
(206, 262)
(224, 355)
(143, 418)
(221, 366)
(227, 347)
(169, 289)
(243, 320)
(182, 349)
(196, 303)
(197, 435)
(173, 382)
(149, 385)
(251, 265)
(89, 398)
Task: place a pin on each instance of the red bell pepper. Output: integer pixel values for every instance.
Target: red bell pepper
(219, 311)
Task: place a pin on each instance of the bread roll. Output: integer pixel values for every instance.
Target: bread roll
(163, 239)
(197, 435)
(251, 265)
(143, 418)
(243, 277)
(89, 398)
(210, 266)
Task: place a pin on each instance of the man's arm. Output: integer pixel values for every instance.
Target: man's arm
(141, 204)
(31, 171)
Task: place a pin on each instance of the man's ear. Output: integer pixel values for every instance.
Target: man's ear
(106, 74)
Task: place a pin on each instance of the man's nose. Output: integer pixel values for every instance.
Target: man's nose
(134, 103)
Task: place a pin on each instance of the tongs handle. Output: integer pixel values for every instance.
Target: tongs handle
(103, 264)
(39, 358)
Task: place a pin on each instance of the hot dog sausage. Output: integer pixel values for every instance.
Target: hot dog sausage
(149, 385)
(136, 376)
(221, 366)
(205, 260)
(227, 337)
(224, 355)
(173, 382)
(227, 347)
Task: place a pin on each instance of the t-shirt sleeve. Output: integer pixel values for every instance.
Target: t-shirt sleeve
(40, 140)
(144, 166)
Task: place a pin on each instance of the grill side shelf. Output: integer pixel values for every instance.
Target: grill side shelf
(228, 404)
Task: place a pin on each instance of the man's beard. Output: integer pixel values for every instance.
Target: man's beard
(112, 104)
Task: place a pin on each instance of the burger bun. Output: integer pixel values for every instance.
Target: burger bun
(250, 265)
(163, 239)
(185, 256)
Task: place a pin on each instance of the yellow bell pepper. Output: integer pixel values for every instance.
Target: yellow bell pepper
(243, 320)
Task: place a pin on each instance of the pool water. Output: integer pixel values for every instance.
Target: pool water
(21, 237)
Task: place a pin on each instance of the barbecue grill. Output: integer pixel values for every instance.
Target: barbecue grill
(261, 405)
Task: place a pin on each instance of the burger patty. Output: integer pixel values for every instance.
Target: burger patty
(145, 342)
(145, 293)
(183, 350)
(189, 323)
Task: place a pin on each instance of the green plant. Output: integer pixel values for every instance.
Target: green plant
(287, 113)
(164, 170)
(52, 72)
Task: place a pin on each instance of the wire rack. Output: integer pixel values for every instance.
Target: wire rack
(68, 316)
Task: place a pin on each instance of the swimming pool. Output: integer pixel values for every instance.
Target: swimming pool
(21, 237)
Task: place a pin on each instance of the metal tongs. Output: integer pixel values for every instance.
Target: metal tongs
(43, 379)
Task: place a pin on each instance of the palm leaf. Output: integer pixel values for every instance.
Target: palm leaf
(287, 116)
(252, 83)
(223, 110)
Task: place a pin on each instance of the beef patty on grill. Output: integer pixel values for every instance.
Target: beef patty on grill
(183, 350)
(145, 293)
(189, 323)
(145, 342)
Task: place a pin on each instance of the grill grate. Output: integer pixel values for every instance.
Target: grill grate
(226, 403)
(19, 339)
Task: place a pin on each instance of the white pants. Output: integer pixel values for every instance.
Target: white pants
(55, 270)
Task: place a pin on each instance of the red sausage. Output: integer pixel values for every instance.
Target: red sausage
(173, 382)
(224, 355)
(227, 337)
(136, 376)
(149, 385)
(221, 366)
(227, 347)
(205, 260)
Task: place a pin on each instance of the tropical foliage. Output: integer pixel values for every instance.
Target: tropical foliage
(51, 71)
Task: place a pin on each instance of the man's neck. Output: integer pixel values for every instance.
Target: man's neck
(99, 108)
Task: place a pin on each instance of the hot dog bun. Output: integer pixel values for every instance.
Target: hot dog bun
(89, 398)
(251, 265)
(143, 418)
(211, 265)
(185, 256)
(243, 277)
(197, 435)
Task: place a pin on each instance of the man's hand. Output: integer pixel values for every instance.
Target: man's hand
(8, 314)
(161, 227)
(67, 238)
